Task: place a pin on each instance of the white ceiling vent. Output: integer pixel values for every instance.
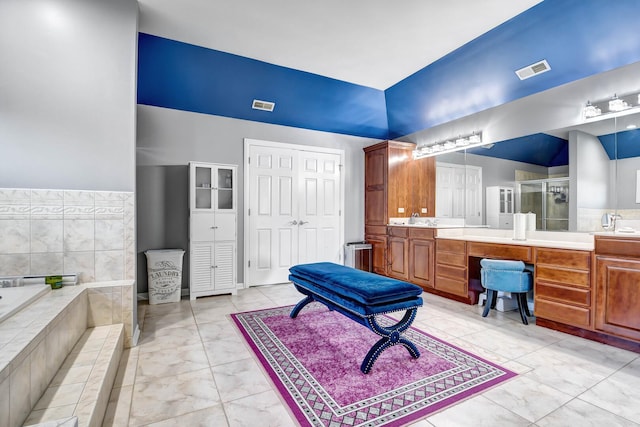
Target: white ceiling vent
(263, 105)
(533, 69)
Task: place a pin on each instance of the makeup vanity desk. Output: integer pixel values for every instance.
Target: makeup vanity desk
(584, 284)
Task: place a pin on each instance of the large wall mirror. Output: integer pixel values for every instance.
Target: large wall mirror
(583, 177)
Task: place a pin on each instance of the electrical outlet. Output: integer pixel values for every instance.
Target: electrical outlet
(401, 210)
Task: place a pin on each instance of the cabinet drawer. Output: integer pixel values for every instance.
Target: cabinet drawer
(376, 229)
(452, 272)
(624, 247)
(488, 250)
(567, 314)
(398, 231)
(450, 245)
(420, 233)
(563, 293)
(452, 286)
(563, 275)
(579, 260)
(451, 258)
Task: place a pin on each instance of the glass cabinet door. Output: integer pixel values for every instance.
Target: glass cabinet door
(203, 188)
(225, 189)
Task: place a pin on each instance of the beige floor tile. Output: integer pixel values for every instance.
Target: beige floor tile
(172, 396)
(170, 361)
(209, 417)
(226, 350)
(263, 409)
(527, 398)
(580, 413)
(239, 379)
(553, 368)
(477, 412)
(619, 393)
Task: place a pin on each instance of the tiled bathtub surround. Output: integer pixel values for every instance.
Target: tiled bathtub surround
(67, 231)
(35, 341)
(111, 303)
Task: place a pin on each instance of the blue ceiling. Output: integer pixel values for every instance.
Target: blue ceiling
(578, 37)
(538, 149)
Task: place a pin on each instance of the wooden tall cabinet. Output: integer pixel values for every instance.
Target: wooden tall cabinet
(212, 229)
(396, 185)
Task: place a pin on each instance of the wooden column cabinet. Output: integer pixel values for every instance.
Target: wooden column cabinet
(395, 186)
(563, 287)
(421, 253)
(618, 286)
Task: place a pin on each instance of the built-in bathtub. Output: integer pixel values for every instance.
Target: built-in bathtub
(14, 299)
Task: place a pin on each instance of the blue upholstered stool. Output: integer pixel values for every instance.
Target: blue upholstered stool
(506, 276)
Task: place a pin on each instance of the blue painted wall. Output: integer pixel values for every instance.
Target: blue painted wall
(579, 38)
(181, 76)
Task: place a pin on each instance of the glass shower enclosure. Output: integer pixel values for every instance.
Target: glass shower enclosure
(549, 200)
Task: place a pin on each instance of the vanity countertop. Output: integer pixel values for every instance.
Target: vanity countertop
(546, 239)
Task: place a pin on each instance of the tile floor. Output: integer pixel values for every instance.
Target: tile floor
(191, 368)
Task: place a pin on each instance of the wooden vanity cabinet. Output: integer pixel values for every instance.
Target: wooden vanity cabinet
(377, 237)
(617, 308)
(451, 268)
(398, 253)
(563, 287)
(421, 257)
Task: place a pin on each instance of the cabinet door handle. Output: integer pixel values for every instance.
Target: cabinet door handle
(214, 227)
(303, 222)
(294, 222)
(214, 266)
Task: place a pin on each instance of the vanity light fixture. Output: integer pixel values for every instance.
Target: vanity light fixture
(591, 111)
(615, 106)
(448, 146)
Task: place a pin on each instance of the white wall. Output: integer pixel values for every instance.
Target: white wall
(67, 94)
(168, 139)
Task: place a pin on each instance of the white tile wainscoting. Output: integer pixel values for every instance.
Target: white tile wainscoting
(91, 233)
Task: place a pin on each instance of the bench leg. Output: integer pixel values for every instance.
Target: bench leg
(300, 305)
(390, 337)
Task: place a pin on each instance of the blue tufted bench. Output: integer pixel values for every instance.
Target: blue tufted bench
(360, 296)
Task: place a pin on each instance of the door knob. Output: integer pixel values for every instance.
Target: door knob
(294, 222)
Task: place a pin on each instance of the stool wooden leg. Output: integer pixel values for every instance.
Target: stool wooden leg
(490, 302)
(524, 302)
(521, 307)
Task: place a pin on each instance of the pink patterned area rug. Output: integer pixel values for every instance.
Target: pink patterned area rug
(314, 361)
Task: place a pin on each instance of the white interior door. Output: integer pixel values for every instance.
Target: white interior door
(319, 207)
(293, 210)
(474, 196)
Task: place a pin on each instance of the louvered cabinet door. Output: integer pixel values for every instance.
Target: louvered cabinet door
(201, 254)
(224, 267)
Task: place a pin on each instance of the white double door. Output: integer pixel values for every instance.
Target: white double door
(294, 213)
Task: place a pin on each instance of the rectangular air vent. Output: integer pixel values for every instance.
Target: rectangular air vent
(263, 105)
(533, 69)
